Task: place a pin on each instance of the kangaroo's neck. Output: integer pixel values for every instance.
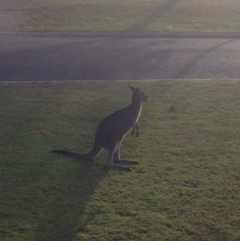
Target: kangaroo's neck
(135, 109)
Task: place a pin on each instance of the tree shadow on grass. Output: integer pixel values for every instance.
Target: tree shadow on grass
(189, 66)
(64, 216)
(158, 12)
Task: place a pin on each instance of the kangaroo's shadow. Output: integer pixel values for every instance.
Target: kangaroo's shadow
(64, 216)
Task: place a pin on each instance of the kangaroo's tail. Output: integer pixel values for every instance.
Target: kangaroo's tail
(73, 154)
(96, 149)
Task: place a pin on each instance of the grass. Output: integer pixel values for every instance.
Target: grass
(186, 187)
(124, 15)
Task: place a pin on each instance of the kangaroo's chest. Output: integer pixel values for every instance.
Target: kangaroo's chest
(135, 114)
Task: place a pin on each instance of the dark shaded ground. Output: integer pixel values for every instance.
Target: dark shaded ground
(52, 56)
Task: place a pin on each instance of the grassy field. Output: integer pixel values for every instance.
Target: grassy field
(124, 15)
(186, 187)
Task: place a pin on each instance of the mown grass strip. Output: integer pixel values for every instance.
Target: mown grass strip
(125, 15)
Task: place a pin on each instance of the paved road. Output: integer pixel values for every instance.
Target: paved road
(49, 56)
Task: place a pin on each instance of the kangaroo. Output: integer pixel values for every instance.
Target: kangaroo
(112, 130)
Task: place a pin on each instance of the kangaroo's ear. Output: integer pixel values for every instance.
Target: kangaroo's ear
(134, 89)
(131, 88)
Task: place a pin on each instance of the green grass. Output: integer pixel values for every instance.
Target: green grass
(186, 187)
(125, 15)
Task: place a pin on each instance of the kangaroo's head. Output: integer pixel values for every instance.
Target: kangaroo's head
(138, 96)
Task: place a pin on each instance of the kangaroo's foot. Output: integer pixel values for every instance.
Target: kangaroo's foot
(125, 161)
(118, 167)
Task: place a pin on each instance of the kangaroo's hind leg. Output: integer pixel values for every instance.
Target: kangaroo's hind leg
(118, 160)
(111, 163)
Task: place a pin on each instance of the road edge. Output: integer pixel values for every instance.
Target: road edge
(124, 34)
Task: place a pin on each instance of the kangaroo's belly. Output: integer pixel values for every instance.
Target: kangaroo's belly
(111, 134)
